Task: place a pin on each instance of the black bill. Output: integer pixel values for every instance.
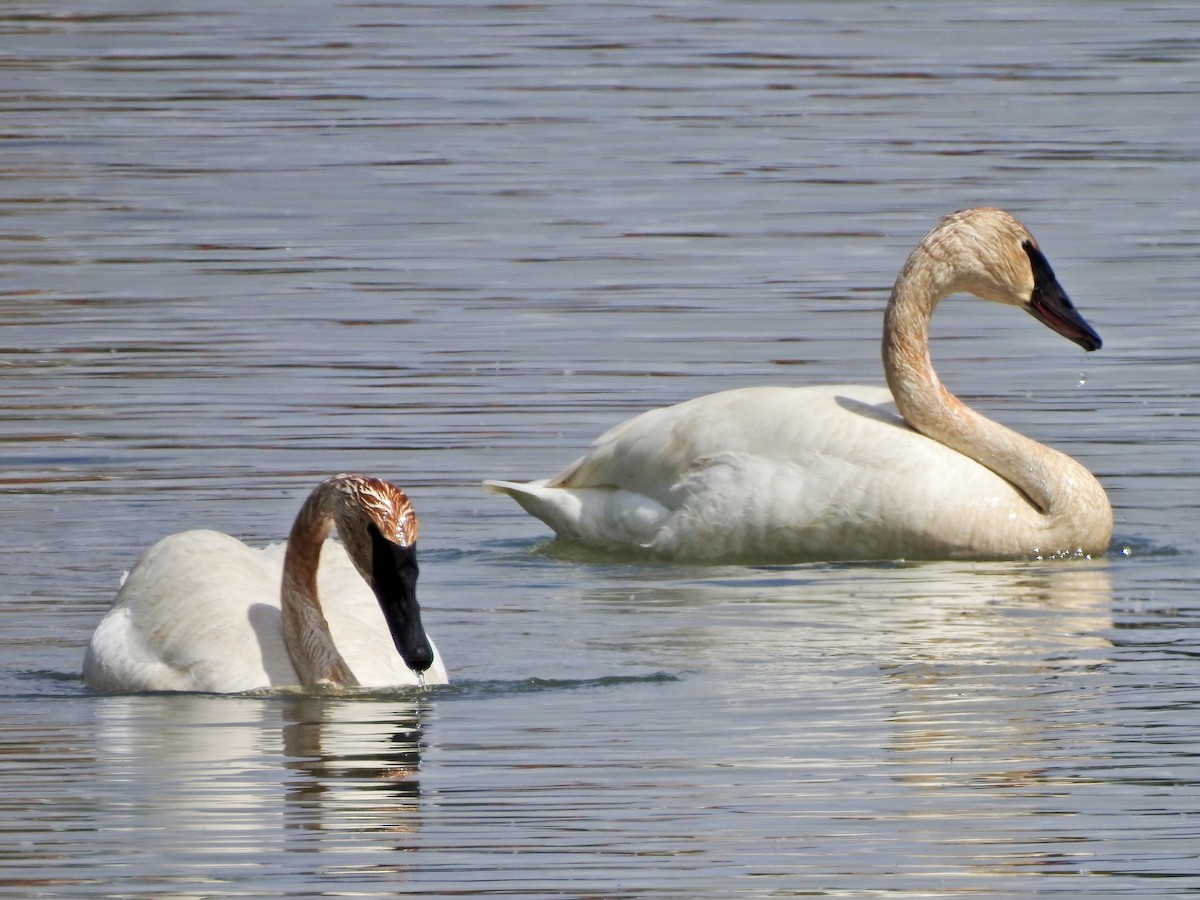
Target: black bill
(1051, 306)
(395, 576)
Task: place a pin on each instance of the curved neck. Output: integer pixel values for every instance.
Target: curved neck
(305, 630)
(932, 410)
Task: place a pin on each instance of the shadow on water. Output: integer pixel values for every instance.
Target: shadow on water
(462, 689)
(566, 551)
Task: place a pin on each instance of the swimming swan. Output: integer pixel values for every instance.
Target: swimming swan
(201, 611)
(792, 473)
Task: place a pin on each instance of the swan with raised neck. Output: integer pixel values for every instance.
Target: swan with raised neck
(974, 251)
(790, 473)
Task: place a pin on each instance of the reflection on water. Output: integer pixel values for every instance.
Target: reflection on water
(967, 719)
(220, 768)
(922, 618)
(339, 763)
(359, 776)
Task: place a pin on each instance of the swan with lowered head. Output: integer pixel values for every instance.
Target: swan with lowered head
(201, 611)
(848, 472)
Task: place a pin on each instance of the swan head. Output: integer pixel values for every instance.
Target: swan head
(378, 527)
(988, 253)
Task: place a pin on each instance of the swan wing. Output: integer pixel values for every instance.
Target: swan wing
(771, 473)
(198, 612)
(650, 453)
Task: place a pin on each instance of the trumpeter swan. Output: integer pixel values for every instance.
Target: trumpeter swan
(794, 473)
(201, 611)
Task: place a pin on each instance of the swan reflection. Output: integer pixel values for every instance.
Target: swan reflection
(350, 774)
(905, 620)
(237, 770)
(916, 700)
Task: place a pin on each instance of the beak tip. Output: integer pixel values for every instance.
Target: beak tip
(419, 659)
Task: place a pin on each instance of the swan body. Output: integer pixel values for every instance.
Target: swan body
(778, 474)
(201, 611)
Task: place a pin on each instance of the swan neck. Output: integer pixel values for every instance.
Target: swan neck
(310, 645)
(919, 394)
(931, 409)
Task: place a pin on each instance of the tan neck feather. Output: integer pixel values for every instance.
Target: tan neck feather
(314, 656)
(1059, 488)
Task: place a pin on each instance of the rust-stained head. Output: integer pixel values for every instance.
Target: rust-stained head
(386, 505)
(356, 504)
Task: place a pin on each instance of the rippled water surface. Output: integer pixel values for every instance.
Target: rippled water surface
(246, 249)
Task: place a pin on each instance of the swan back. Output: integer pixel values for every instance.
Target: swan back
(199, 611)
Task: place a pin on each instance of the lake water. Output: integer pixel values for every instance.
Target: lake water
(243, 250)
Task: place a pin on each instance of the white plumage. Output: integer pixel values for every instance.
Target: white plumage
(202, 611)
(847, 472)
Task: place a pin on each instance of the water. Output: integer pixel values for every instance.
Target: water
(246, 249)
